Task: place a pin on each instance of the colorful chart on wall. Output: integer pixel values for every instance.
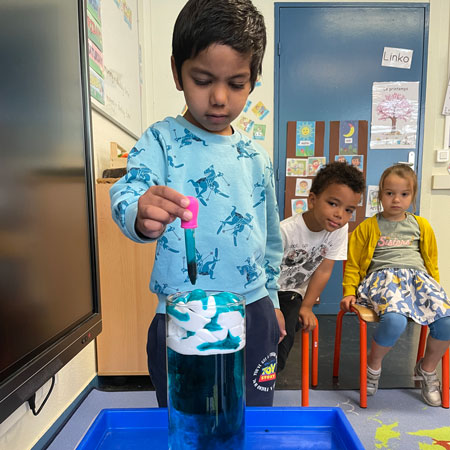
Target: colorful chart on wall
(304, 157)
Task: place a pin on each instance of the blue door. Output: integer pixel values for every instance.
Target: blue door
(327, 58)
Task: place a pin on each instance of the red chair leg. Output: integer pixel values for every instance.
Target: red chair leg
(362, 363)
(445, 380)
(422, 342)
(305, 368)
(315, 356)
(337, 343)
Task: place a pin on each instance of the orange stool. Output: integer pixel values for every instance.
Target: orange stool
(366, 315)
(305, 362)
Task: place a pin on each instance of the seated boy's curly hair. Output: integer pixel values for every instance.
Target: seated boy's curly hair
(338, 173)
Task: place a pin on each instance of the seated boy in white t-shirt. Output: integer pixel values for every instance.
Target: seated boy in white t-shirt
(312, 242)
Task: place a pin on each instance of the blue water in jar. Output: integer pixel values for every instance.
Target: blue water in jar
(206, 398)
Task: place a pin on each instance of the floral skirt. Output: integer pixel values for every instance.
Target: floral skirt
(405, 291)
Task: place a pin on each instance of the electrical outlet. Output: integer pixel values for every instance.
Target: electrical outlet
(442, 155)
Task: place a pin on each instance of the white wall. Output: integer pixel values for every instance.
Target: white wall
(22, 429)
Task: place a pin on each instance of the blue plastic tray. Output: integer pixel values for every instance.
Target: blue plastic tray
(266, 428)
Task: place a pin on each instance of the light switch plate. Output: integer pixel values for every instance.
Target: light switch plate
(440, 182)
(442, 155)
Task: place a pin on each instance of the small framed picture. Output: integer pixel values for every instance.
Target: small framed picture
(302, 187)
(299, 205)
(296, 167)
(314, 164)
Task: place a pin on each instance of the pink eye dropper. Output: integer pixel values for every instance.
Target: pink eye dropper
(189, 239)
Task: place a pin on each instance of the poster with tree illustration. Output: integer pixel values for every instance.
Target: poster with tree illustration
(395, 111)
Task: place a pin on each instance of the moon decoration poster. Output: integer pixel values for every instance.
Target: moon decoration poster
(305, 137)
(348, 137)
(395, 111)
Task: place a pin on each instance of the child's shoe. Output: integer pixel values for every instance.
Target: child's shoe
(373, 377)
(431, 387)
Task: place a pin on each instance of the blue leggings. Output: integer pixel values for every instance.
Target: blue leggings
(392, 325)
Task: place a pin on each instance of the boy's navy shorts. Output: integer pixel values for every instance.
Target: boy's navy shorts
(262, 334)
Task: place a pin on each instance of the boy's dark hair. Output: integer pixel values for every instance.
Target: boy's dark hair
(236, 23)
(338, 173)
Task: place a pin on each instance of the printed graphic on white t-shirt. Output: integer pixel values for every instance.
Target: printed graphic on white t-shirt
(305, 250)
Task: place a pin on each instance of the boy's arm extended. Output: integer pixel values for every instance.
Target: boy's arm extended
(146, 167)
(274, 243)
(142, 205)
(273, 250)
(316, 285)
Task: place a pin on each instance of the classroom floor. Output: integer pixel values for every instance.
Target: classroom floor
(397, 372)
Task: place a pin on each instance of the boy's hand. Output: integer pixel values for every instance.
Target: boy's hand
(307, 318)
(281, 324)
(157, 207)
(347, 302)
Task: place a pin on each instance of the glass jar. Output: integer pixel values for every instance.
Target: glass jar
(205, 370)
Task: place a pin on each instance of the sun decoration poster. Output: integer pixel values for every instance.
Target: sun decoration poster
(395, 111)
(348, 137)
(305, 137)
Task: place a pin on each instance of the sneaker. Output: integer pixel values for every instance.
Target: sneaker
(431, 387)
(372, 381)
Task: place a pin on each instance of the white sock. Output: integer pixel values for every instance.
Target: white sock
(425, 372)
(372, 371)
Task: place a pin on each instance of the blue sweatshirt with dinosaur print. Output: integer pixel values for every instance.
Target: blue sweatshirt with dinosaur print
(238, 240)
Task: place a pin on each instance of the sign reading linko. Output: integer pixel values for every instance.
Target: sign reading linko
(397, 57)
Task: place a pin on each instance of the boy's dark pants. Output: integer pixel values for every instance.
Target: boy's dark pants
(290, 303)
(262, 334)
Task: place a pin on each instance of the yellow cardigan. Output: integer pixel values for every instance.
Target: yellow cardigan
(362, 243)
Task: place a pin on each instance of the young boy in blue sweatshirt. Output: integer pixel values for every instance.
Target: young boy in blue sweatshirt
(217, 52)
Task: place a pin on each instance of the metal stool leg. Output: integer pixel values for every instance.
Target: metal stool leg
(337, 343)
(315, 356)
(362, 363)
(305, 368)
(445, 380)
(422, 342)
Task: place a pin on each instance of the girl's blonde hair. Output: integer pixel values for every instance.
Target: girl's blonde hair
(402, 171)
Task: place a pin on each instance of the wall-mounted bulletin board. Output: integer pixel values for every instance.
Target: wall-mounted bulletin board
(304, 157)
(114, 60)
(348, 143)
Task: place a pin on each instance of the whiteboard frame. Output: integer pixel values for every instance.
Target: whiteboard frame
(112, 120)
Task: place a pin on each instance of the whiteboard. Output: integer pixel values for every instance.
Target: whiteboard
(121, 64)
